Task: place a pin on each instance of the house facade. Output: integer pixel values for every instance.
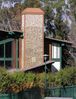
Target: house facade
(25, 50)
(9, 49)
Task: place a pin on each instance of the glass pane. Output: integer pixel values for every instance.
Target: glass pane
(8, 49)
(1, 63)
(58, 52)
(55, 52)
(1, 50)
(8, 64)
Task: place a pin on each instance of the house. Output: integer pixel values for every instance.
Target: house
(9, 48)
(25, 50)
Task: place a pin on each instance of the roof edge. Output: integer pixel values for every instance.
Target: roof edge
(33, 11)
(59, 40)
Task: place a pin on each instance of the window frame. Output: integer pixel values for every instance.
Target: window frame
(6, 59)
(56, 50)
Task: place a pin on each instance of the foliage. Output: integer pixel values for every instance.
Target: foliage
(10, 18)
(30, 78)
(40, 80)
(32, 3)
(21, 81)
(18, 81)
(67, 58)
(51, 79)
(5, 80)
(15, 81)
(66, 76)
(61, 32)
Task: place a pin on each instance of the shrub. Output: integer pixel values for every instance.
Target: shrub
(21, 81)
(5, 80)
(40, 80)
(51, 79)
(18, 81)
(30, 79)
(66, 76)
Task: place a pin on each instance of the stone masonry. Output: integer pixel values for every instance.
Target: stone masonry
(32, 27)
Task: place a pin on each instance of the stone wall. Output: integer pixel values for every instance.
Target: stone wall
(33, 40)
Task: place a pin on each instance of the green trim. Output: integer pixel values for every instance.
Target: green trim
(56, 59)
(6, 59)
(6, 41)
(61, 57)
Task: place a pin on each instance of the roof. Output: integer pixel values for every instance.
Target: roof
(39, 67)
(10, 34)
(33, 11)
(58, 40)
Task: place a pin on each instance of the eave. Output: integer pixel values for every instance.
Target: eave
(10, 34)
(58, 40)
(39, 68)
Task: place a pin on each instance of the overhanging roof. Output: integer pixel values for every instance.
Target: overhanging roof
(10, 34)
(38, 68)
(58, 40)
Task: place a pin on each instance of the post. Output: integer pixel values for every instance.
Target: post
(17, 53)
(45, 68)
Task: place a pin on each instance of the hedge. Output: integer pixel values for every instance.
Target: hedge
(18, 81)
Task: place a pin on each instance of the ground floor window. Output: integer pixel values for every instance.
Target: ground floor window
(6, 53)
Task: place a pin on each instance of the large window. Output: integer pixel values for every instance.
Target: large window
(55, 51)
(1, 51)
(8, 50)
(6, 57)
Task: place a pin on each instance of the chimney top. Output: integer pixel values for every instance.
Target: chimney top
(33, 11)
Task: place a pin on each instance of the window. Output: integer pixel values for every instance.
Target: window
(1, 51)
(8, 64)
(6, 57)
(56, 51)
(1, 63)
(8, 49)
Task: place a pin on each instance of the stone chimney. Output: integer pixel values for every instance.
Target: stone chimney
(32, 45)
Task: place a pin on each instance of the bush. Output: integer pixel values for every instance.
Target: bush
(5, 80)
(18, 81)
(66, 76)
(51, 79)
(40, 80)
(30, 79)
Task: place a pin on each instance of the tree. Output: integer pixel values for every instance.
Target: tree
(32, 3)
(10, 18)
(59, 13)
